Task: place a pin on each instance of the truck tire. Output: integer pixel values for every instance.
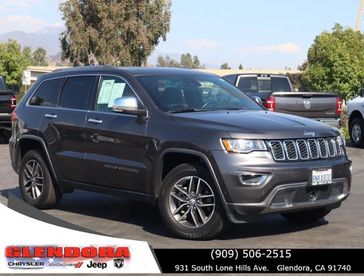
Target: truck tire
(307, 216)
(189, 203)
(36, 184)
(356, 131)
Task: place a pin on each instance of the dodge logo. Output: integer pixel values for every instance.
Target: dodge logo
(307, 104)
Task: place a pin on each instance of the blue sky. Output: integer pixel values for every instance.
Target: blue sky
(257, 33)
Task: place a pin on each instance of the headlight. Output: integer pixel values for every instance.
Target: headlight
(243, 146)
(341, 139)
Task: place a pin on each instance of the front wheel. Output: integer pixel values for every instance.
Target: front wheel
(307, 216)
(189, 204)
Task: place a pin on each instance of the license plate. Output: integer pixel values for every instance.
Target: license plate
(321, 177)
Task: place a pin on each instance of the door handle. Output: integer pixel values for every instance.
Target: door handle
(51, 116)
(95, 121)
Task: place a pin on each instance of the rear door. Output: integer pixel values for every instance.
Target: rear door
(64, 127)
(116, 143)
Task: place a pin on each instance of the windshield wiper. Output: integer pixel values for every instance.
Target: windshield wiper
(188, 110)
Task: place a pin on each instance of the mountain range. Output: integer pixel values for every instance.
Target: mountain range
(47, 38)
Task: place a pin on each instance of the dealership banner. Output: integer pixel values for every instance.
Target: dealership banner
(28, 245)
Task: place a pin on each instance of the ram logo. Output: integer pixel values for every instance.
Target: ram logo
(307, 104)
(119, 263)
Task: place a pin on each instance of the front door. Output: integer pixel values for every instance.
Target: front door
(116, 143)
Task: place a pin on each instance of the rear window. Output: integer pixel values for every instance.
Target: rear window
(280, 85)
(230, 78)
(47, 93)
(76, 92)
(264, 84)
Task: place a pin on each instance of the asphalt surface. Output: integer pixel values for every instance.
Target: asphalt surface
(113, 216)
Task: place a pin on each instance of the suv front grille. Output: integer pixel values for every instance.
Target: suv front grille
(305, 149)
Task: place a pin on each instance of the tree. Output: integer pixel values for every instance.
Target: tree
(12, 62)
(115, 32)
(225, 66)
(241, 67)
(336, 62)
(197, 64)
(186, 61)
(167, 61)
(27, 53)
(40, 57)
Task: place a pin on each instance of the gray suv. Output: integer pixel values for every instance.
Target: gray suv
(190, 142)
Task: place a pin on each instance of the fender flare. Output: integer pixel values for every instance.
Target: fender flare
(157, 183)
(44, 147)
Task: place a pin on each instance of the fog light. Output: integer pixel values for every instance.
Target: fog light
(253, 179)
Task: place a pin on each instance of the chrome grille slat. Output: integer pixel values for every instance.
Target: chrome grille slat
(305, 149)
(302, 148)
(290, 150)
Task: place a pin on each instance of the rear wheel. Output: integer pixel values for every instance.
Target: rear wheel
(307, 216)
(357, 132)
(35, 182)
(189, 204)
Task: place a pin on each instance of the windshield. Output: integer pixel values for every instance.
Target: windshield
(188, 93)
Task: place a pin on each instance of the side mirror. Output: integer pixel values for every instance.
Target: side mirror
(128, 105)
(258, 100)
(361, 92)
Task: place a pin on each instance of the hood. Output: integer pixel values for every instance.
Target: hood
(257, 124)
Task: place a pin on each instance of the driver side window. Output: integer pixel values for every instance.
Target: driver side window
(111, 88)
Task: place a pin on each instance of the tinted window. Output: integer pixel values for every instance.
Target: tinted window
(76, 92)
(47, 93)
(280, 85)
(230, 78)
(248, 84)
(195, 93)
(111, 88)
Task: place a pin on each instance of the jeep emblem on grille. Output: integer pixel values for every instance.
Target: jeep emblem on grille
(309, 133)
(307, 104)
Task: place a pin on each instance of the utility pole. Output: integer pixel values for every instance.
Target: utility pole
(359, 17)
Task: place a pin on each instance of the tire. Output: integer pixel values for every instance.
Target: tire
(205, 218)
(356, 132)
(36, 184)
(307, 216)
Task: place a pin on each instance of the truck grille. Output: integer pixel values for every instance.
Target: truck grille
(305, 149)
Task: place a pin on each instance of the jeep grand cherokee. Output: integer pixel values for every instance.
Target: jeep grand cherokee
(189, 141)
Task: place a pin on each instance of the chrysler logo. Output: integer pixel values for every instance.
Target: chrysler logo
(307, 104)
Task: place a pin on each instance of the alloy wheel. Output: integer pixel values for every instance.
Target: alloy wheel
(33, 179)
(192, 202)
(356, 133)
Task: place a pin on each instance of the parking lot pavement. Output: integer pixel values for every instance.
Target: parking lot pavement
(120, 218)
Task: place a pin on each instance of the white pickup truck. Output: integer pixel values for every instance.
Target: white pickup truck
(356, 121)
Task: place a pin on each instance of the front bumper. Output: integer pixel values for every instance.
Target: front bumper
(290, 198)
(286, 189)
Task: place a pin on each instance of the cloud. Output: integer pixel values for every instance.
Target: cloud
(288, 48)
(21, 22)
(203, 44)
